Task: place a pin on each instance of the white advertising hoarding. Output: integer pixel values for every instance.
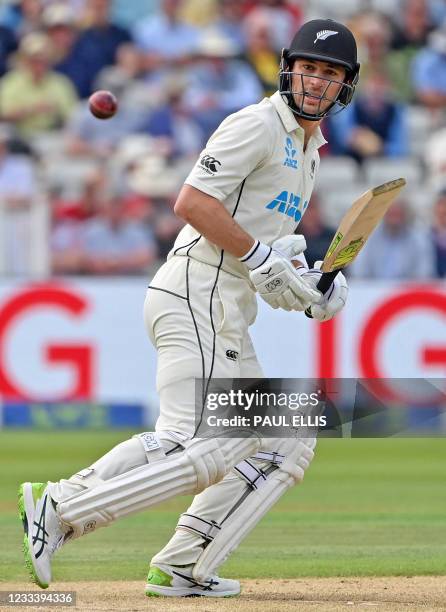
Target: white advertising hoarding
(85, 339)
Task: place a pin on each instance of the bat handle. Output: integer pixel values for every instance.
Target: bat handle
(323, 286)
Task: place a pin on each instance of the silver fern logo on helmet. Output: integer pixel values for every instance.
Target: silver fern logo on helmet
(323, 34)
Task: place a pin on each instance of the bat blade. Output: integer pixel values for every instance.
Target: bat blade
(358, 223)
(355, 228)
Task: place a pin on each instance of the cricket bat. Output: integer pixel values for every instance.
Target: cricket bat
(354, 229)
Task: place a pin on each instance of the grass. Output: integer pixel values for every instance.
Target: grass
(367, 507)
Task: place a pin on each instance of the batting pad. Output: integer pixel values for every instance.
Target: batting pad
(249, 507)
(202, 463)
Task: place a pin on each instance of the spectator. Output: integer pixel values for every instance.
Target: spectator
(153, 179)
(125, 79)
(8, 44)
(125, 75)
(166, 226)
(229, 22)
(166, 40)
(127, 13)
(317, 234)
(17, 177)
(149, 174)
(283, 16)
(92, 191)
(97, 44)
(59, 21)
(17, 189)
(435, 159)
(23, 17)
(409, 36)
(69, 219)
(374, 31)
(32, 96)
(260, 52)
(429, 72)
(437, 12)
(373, 125)
(200, 13)
(86, 135)
(398, 249)
(413, 25)
(112, 244)
(172, 121)
(219, 83)
(439, 235)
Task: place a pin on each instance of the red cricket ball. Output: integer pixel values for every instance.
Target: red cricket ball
(103, 104)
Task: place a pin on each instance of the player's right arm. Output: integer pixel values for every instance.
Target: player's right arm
(240, 145)
(210, 218)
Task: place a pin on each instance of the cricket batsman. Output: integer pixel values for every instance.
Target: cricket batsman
(242, 203)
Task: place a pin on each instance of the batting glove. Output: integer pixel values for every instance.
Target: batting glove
(276, 280)
(335, 298)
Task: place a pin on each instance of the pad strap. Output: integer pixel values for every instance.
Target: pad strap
(254, 476)
(206, 529)
(152, 446)
(88, 478)
(272, 457)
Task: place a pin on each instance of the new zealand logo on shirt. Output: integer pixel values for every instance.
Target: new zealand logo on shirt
(209, 164)
(290, 159)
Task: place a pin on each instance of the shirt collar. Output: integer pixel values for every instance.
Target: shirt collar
(290, 122)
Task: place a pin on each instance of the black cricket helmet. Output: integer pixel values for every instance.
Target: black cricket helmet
(328, 41)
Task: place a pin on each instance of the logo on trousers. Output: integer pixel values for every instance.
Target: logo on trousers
(89, 526)
(232, 355)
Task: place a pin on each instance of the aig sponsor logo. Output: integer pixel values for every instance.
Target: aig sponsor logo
(289, 204)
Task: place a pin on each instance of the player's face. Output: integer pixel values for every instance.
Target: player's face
(316, 84)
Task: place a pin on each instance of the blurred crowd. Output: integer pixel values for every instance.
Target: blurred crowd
(96, 197)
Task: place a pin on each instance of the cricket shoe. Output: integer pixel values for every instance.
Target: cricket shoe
(44, 531)
(170, 581)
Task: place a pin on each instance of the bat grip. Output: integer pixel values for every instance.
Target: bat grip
(323, 286)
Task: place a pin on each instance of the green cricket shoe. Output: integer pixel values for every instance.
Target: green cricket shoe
(44, 532)
(169, 581)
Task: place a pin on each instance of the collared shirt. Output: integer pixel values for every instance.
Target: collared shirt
(256, 166)
(157, 34)
(18, 90)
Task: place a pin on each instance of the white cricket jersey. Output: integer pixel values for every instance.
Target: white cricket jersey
(255, 165)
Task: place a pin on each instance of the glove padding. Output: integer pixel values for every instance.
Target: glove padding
(335, 298)
(279, 283)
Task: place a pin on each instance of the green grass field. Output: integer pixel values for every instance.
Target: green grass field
(367, 507)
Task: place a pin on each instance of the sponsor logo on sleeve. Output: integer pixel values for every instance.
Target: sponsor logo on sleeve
(209, 164)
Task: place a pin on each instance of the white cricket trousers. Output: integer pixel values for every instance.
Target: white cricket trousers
(197, 318)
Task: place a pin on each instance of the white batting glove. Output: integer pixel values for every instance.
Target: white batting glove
(276, 279)
(292, 247)
(335, 298)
